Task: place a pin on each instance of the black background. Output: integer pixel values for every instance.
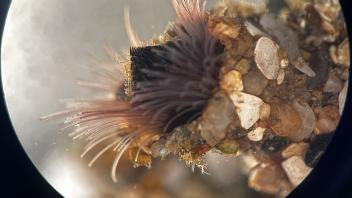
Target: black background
(332, 177)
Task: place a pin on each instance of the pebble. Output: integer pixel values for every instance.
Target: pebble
(308, 120)
(296, 169)
(255, 82)
(216, 118)
(247, 108)
(285, 120)
(298, 149)
(333, 84)
(275, 144)
(268, 179)
(341, 54)
(344, 53)
(266, 54)
(264, 112)
(342, 97)
(328, 119)
(284, 62)
(256, 135)
(232, 81)
(316, 149)
(228, 146)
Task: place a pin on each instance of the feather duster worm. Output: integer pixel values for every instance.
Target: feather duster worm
(159, 88)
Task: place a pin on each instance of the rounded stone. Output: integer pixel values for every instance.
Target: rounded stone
(255, 82)
(285, 120)
(269, 179)
(267, 57)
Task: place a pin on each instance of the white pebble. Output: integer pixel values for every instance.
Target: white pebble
(266, 54)
(256, 135)
(247, 108)
(296, 169)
